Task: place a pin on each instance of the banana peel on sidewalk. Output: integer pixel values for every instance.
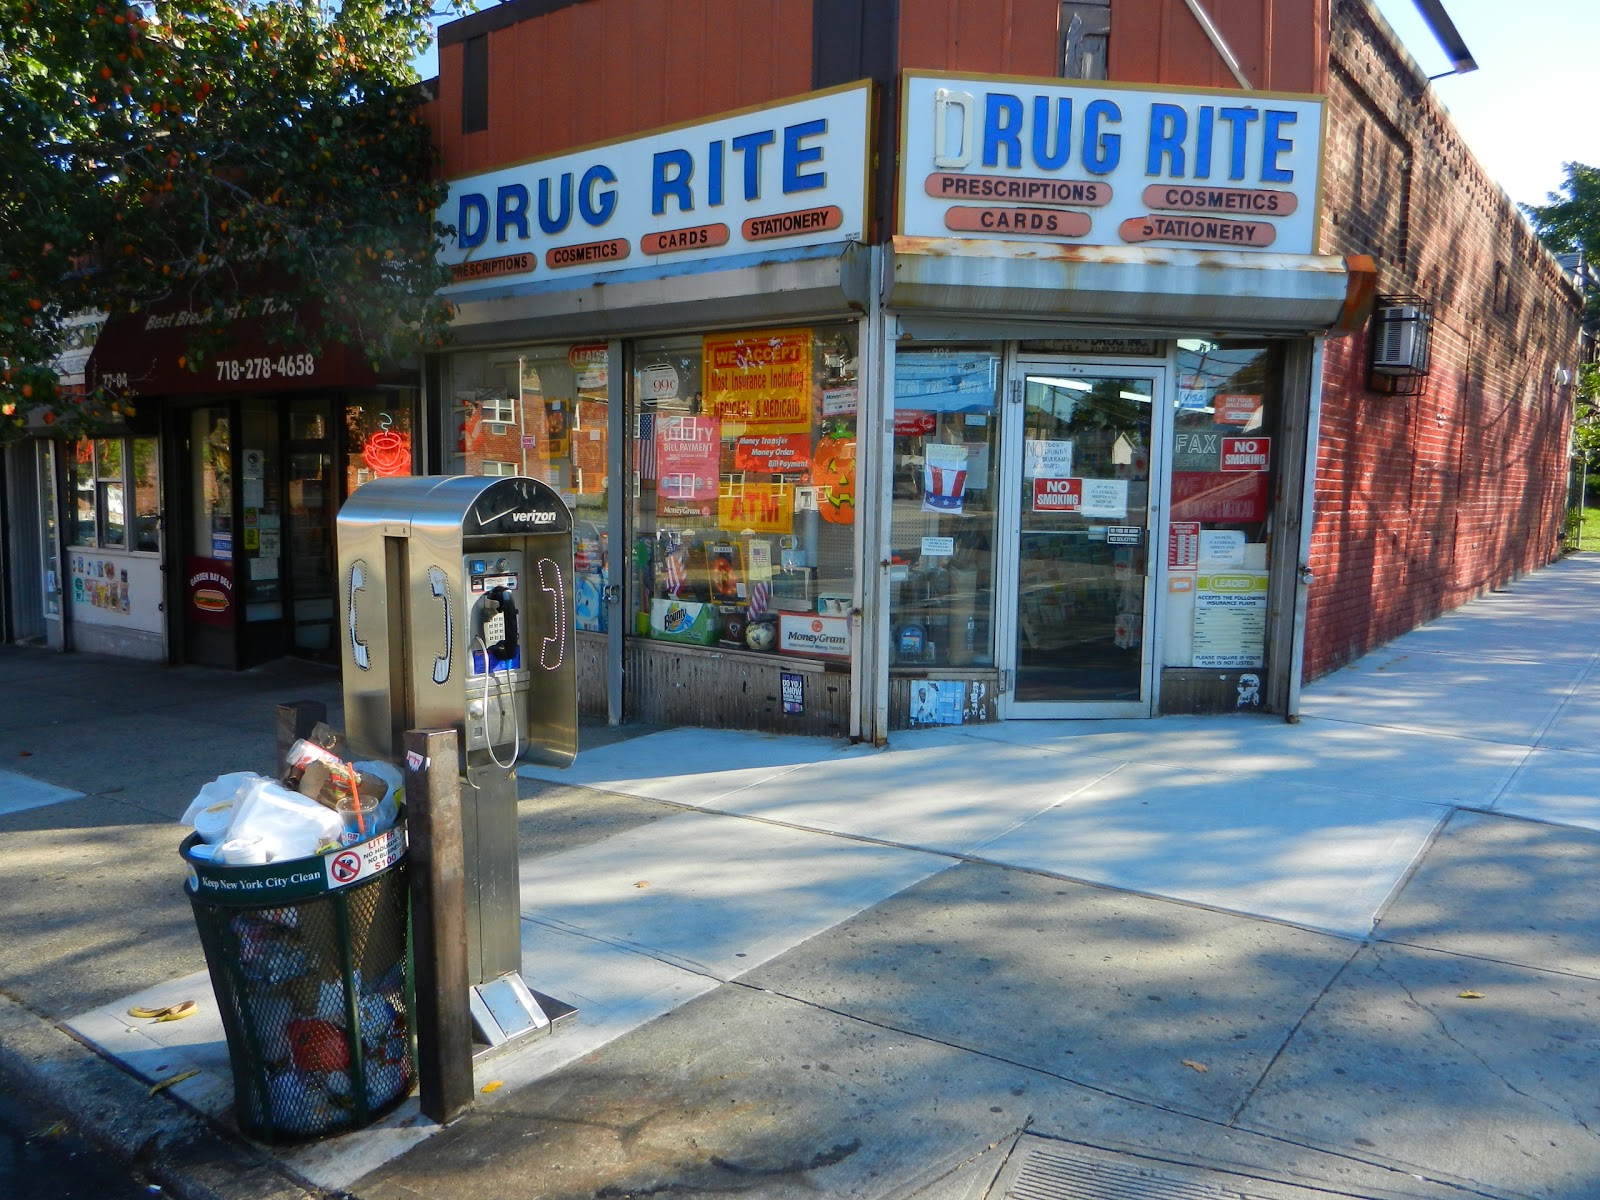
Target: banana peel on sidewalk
(170, 1012)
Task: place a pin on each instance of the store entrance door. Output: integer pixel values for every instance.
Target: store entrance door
(1077, 594)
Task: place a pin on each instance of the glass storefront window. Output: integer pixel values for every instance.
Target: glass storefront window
(946, 479)
(85, 527)
(743, 463)
(1224, 444)
(146, 486)
(543, 412)
(103, 474)
(211, 438)
(377, 439)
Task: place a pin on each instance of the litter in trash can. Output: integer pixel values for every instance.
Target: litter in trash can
(305, 942)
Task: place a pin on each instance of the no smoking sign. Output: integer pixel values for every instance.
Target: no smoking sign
(1245, 454)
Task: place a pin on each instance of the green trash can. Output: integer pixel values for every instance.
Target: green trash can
(308, 960)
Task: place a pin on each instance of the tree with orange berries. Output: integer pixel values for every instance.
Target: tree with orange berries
(187, 151)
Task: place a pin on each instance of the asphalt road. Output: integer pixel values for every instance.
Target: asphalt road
(41, 1158)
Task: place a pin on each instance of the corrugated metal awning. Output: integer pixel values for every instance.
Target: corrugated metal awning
(1132, 287)
(753, 290)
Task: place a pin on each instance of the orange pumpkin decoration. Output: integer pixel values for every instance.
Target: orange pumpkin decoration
(833, 470)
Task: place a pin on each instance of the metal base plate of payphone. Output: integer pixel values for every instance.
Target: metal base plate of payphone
(505, 1009)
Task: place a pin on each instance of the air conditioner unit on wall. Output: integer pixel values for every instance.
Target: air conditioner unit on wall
(1402, 328)
(1400, 339)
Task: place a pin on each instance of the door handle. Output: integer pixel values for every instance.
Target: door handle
(439, 585)
(359, 653)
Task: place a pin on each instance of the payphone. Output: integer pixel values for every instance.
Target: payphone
(455, 606)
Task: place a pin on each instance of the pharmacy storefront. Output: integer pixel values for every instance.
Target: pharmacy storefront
(1037, 452)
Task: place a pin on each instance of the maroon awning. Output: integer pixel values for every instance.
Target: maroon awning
(141, 355)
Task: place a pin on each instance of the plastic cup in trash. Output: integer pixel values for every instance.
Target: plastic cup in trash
(358, 815)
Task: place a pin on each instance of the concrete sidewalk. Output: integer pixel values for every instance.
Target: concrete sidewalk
(1357, 954)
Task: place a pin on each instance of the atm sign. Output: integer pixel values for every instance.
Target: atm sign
(1057, 495)
(1241, 454)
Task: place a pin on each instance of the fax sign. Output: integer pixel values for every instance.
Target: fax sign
(1245, 454)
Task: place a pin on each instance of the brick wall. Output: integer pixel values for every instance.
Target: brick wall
(1425, 501)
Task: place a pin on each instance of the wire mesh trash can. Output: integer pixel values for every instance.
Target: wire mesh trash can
(308, 960)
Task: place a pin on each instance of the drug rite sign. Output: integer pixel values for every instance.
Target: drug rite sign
(1109, 164)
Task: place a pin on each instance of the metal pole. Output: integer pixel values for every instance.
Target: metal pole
(439, 923)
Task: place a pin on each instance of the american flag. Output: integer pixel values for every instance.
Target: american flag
(644, 447)
(760, 598)
(676, 574)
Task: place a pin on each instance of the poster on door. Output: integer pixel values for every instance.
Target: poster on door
(1230, 619)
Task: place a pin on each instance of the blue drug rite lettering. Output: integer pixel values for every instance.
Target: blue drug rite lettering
(717, 154)
(1002, 128)
(662, 185)
(1239, 119)
(511, 208)
(596, 207)
(1052, 145)
(472, 204)
(559, 222)
(1275, 145)
(1169, 125)
(796, 156)
(750, 145)
(1206, 120)
(1107, 147)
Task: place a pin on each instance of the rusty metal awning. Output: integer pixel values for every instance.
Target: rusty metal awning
(772, 287)
(1132, 287)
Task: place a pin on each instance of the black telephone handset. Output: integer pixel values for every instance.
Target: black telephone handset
(500, 623)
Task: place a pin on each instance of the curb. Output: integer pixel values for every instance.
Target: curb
(187, 1156)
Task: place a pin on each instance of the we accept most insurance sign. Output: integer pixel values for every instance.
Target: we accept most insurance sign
(1104, 164)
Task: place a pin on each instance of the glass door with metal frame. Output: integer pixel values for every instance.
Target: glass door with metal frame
(1079, 450)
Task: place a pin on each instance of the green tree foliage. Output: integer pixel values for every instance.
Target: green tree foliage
(1586, 418)
(202, 152)
(1570, 223)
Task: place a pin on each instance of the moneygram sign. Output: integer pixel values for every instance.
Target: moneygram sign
(1104, 164)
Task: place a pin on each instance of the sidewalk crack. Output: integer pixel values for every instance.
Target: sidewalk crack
(1568, 1111)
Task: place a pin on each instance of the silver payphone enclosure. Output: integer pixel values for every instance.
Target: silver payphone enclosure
(455, 611)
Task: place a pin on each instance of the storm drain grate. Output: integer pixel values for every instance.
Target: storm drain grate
(1041, 1170)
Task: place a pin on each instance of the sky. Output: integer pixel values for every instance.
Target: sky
(1526, 110)
(1529, 107)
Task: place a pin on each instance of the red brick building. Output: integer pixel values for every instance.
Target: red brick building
(1426, 500)
(911, 362)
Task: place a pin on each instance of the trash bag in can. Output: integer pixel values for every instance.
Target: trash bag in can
(308, 962)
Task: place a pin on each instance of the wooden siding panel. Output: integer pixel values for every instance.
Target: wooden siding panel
(1281, 45)
(597, 72)
(650, 81)
(981, 37)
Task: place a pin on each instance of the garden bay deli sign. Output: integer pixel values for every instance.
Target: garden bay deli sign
(786, 175)
(1103, 164)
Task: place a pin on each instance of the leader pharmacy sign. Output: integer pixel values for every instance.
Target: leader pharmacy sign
(1103, 164)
